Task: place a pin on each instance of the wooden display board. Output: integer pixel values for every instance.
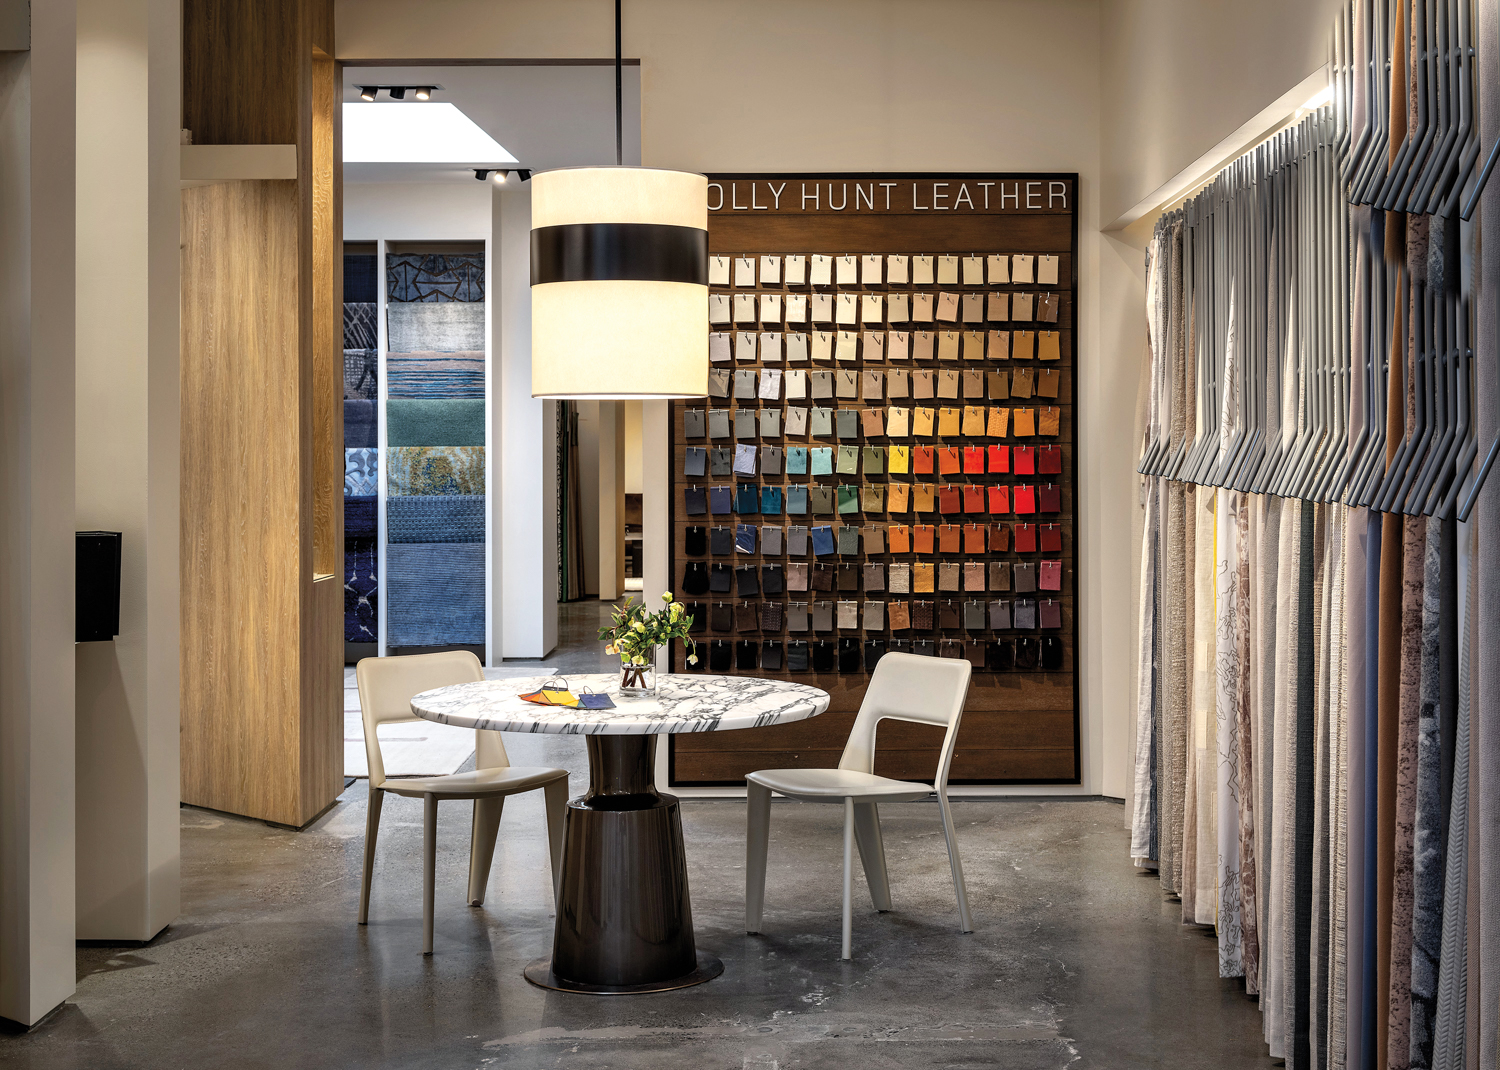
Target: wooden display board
(1021, 725)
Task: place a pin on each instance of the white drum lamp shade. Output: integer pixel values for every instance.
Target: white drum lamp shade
(619, 283)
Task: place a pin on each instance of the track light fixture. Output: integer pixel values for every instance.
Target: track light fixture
(502, 173)
(398, 92)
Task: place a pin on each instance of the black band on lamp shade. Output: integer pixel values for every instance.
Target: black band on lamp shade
(612, 252)
(96, 606)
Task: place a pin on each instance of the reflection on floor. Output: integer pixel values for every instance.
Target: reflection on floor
(1077, 960)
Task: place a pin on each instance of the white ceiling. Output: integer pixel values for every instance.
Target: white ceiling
(545, 116)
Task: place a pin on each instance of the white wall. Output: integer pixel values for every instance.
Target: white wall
(417, 211)
(588, 492)
(523, 432)
(37, 151)
(634, 478)
(129, 286)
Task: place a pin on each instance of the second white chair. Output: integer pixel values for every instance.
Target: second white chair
(386, 688)
(904, 687)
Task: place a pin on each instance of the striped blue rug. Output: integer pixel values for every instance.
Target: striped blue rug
(435, 375)
(434, 593)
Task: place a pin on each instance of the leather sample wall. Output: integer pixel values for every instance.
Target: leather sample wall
(885, 461)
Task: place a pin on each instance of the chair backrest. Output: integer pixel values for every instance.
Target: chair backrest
(386, 688)
(909, 687)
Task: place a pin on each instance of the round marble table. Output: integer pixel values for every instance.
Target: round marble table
(624, 919)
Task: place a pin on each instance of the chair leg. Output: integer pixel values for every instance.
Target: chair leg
(557, 812)
(429, 867)
(487, 814)
(958, 867)
(757, 839)
(372, 827)
(872, 853)
(848, 879)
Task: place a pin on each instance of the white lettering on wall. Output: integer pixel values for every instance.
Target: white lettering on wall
(720, 188)
(1058, 190)
(815, 195)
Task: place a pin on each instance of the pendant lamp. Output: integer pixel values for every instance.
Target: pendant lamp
(619, 278)
(619, 283)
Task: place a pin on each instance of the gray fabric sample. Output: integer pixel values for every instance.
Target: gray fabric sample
(446, 327)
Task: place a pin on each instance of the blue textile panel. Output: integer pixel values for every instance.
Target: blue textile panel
(359, 516)
(434, 422)
(359, 278)
(360, 619)
(434, 593)
(435, 518)
(434, 277)
(359, 425)
(435, 375)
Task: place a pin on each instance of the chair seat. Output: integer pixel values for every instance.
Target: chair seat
(838, 784)
(503, 781)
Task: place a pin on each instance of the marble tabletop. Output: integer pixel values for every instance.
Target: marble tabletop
(686, 703)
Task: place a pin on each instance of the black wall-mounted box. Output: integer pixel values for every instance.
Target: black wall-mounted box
(96, 615)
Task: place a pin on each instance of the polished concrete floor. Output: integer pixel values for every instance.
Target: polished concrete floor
(1077, 960)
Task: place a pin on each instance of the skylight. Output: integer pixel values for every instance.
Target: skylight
(416, 133)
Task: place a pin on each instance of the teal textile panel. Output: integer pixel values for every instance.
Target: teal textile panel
(434, 422)
(434, 593)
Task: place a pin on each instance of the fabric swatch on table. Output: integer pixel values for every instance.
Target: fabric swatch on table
(435, 277)
(359, 325)
(435, 518)
(360, 619)
(435, 375)
(425, 327)
(434, 593)
(359, 424)
(360, 278)
(359, 516)
(435, 470)
(361, 472)
(434, 422)
(361, 377)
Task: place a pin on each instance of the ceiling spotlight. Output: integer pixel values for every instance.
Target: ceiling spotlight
(482, 173)
(424, 92)
(367, 92)
(500, 177)
(525, 174)
(398, 92)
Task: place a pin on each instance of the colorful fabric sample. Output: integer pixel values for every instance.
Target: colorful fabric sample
(434, 422)
(435, 277)
(424, 327)
(434, 470)
(435, 375)
(434, 593)
(359, 424)
(360, 472)
(360, 619)
(435, 518)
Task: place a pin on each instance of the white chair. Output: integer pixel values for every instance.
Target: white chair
(904, 687)
(386, 688)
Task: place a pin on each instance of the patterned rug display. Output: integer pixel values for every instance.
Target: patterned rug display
(359, 425)
(359, 516)
(361, 377)
(435, 518)
(434, 470)
(360, 471)
(359, 325)
(360, 278)
(435, 375)
(434, 593)
(435, 277)
(434, 422)
(360, 619)
(425, 327)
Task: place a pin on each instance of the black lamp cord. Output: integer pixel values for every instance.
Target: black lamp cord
(619, 101)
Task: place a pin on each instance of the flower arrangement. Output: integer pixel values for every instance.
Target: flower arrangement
(634, 634)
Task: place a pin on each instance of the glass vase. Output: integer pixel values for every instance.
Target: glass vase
(642, 681)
